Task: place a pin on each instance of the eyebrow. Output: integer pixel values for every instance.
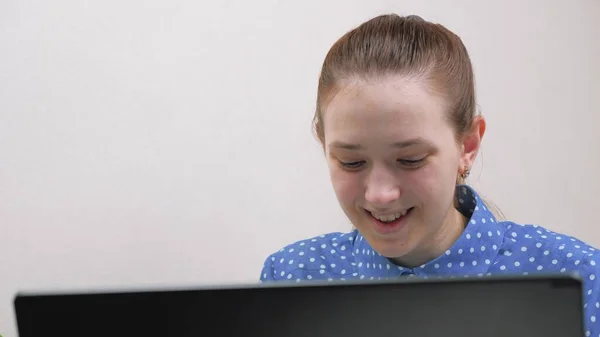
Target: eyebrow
(398, 145)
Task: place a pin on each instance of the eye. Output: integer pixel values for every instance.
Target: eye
(352, 165)
(412, 163)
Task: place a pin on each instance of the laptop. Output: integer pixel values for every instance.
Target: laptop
(549, 306)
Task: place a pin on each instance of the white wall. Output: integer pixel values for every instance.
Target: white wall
(165, 143)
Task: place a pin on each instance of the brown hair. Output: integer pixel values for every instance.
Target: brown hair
(407, 46)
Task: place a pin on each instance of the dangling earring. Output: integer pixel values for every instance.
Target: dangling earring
(465, 174)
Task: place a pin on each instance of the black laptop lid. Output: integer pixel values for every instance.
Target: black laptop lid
(548, 307)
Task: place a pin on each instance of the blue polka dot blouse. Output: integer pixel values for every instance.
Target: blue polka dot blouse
(486, 247)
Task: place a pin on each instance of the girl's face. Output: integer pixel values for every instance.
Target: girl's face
(394, 161)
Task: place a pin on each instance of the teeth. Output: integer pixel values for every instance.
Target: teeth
(388, 217)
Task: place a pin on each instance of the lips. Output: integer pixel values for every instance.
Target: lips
(390, 217)
(389, 223)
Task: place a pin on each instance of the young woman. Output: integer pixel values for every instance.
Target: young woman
(396, 116)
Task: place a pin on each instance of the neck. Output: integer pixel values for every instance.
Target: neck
(452, 228)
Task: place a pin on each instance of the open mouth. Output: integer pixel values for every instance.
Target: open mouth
(390, 218)
(390, 223)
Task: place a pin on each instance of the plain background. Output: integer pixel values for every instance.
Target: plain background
(168, 143)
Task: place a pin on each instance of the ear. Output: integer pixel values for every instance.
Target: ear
(471, 143)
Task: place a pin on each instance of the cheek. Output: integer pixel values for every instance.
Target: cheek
(433, 182)
(347, 186)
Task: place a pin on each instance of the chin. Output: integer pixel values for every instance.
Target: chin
(389, 248)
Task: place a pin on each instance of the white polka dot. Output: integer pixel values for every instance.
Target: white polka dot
(592, 277)
(368, 265)
(282, 273)
(312, 259)
(569, 254)
(301, 265)
(388, 266)
(301, 253)
(495, 247)
(502, 267)
(332, 251)
(598, 305)
(343, 248)
(462, 264)
(472, 249)
(489, 233)
(531, 259)
(343, 271)
(523, 249)
(362, 277)
(322, 271)
(449, 264)
(483, 220)
(561, 247)
(360, 264)
(479, 235)
(313, 248)
(577, 262)
(555, 261)
(333, 265)
(291, 262)
(593, 263)
(281, 261)
(468, 236)
(546, 252)
(593, 319)
(482, 248)
(289, 277)
(474, 263)
(343, 257)
(309, 277)
(563, 270)
(323, 246)
(517, 263)
(539, 245)
(513, 234)
(460, 251)
(487, 261)
(302, 243)
(323, 266)
(589, 292)
(448, 252)
(436, 266)
(540, 267)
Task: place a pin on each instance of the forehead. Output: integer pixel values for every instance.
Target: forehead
(384, 108)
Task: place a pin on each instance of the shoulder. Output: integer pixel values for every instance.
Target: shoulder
(551, 249)
(323, 252)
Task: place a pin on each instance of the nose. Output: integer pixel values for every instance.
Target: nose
(381, 187)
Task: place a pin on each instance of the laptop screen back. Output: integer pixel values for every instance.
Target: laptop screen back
(484, 307)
